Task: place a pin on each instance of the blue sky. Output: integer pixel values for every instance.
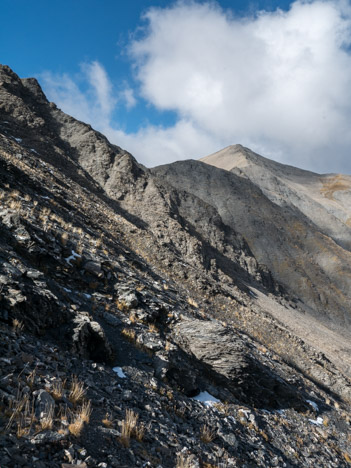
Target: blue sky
(172, 80)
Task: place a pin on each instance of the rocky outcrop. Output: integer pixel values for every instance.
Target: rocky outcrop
(221, 354)
(89, 340)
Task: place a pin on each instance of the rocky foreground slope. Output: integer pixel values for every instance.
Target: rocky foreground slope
(126, 299)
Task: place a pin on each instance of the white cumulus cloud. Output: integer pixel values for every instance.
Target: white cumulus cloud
(278, 82)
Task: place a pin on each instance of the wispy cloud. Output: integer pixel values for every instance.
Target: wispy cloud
(102, 87)
(128, 96)
(278, 82)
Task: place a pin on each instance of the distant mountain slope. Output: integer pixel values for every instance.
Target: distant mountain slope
(310, 265)
(325, 199)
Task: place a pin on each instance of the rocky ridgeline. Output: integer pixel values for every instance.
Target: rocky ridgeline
(123, 345)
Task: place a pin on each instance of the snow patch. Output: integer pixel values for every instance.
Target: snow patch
(19, 140)
(88, 296)
(206, 398)
(22, 238)
(119, 372)
(72, 257)
(34, 151)
(316, 422)
(67, 290)
(313, 404)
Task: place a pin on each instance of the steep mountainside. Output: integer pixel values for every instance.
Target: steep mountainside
(126, 297)
(308, 263)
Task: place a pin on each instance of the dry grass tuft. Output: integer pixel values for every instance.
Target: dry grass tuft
(192, 302)
(153, 328)
(107, 421)
(64, 238)
(58, 389)
(14, 194)
(139, 432)
(17, 325)
(77, 392)
(122, 305)
(76, 427)
(47, 422)
(17, 408)
(184, 462)
(85, 412)
(23, 414)
(223, 408)
(130, 428)
(15, 205)
(79, 418)
(206, 434)
(31, 378)
(128, 334)
(22, 429)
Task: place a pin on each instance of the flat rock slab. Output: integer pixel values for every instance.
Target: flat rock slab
(228, 361)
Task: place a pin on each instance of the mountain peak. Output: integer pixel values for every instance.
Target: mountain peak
(233, 156)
